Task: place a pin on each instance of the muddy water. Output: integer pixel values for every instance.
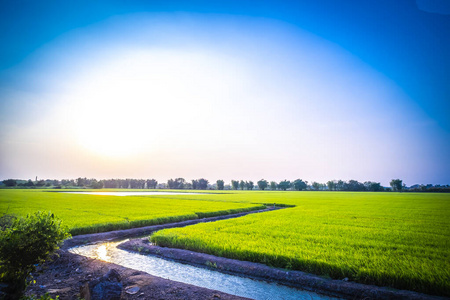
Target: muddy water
(210, 279)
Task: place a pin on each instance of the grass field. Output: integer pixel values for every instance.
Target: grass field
(400, 240)
(94, 213)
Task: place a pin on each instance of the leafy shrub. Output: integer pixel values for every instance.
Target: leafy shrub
(46, 296)
(6, 221)
(24, 244)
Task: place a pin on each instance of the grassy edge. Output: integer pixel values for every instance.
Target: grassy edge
(395, 281)
(97, 228)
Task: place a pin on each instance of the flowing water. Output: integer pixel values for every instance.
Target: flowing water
(201, 277)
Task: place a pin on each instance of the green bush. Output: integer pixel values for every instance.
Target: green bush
(46, 296)
(23, 245)
(6, 221)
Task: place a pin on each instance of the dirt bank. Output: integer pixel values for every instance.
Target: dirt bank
(68, 275)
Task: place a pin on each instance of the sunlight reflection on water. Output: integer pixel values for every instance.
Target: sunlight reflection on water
(235, 285)
(102, 253)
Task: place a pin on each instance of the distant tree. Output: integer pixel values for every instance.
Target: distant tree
(331, 185)
(194, 184)
(177, 183)
(136, 183)
(152, 183)
(340, 185)
(220, 184)
(354, 185)
(29, 183)
(249, 185)
(300, 185)
(235, 184)
(242, 184)
(373, 186)
(284, 185)
(81, 181)
(273, 185)
(40, 183)
(96, 184)
(315, 185)
(110, 183)
(262, 184)
(397, 185)
(10, 182)
(202, 184)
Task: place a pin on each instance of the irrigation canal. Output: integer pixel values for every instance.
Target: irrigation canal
(231, 284)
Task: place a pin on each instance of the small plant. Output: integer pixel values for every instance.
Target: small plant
(46, 296)
(24, 244)
(211, 264)
(289, 265)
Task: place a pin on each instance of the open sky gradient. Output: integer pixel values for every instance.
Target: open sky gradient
(317, 90)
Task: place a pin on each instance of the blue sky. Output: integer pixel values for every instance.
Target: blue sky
(317, 90)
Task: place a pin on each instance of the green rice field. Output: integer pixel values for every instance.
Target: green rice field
(95, 213)
(399, 240)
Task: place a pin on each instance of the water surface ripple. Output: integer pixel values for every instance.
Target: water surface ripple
(235, 285)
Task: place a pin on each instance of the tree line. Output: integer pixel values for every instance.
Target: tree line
(396, 185)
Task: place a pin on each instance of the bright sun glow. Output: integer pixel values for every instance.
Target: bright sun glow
(129, 104)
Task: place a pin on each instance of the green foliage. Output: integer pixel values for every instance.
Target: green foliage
(200, 184)
(46, 296)
(177, 183)
(96, 184)
(397, 240)
(273, 185)
(10, 182)
(300, 185)
(220, 184)
(249, 185)
(284, 185)
(26, 243)
(235, 184)
(262, 184)
(396, 185)
(6, 221)
(242, 184)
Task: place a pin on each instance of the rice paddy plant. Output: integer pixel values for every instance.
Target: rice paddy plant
(388, 239)
(95, 213)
